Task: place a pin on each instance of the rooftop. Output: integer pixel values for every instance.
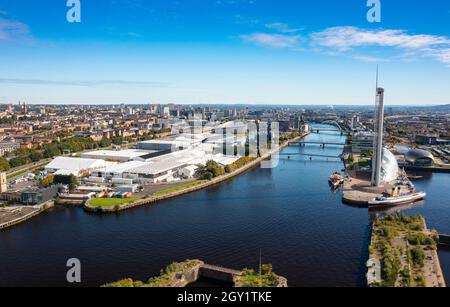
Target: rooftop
(127, 153)
(76, 164)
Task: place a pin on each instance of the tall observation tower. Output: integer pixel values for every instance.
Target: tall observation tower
(378, 137)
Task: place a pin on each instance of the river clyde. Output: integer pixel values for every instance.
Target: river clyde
(288, 212)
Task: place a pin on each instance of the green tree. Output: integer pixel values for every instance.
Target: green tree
(215, 168)
(105, 142)
(70, 180)
(19, 161)
(117, 140)
(4, 164)
(417, 256)
(47, 180)
(35, 156)
(51, 150)
(266, 269)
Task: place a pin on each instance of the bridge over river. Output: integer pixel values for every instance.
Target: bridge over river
(323, 144)
(309, 155)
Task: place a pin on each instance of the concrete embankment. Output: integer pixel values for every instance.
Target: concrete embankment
(15, 215)
(156, 198)
(356, 196)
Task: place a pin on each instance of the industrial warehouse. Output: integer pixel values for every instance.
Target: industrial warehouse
(156, 161)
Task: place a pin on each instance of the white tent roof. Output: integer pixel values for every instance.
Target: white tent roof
(76, 164)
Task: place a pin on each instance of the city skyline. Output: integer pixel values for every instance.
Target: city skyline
(224, 52)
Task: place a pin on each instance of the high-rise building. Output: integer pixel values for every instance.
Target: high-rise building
(378, 122)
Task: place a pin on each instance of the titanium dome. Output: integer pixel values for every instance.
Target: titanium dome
(419, 157)
(389, 166)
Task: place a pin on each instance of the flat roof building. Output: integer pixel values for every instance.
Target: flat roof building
(167, 167)
(74, 166)
(124, 155)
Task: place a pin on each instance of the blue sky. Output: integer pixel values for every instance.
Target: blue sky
(224, 51)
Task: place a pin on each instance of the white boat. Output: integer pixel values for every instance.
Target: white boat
(336, 180)
(398, 200)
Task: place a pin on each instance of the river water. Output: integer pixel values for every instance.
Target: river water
(287, 212)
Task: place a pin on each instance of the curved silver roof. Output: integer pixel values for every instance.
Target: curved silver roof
(414, 154)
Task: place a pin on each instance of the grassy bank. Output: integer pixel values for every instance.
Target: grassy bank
(110, 202)
(180, 187)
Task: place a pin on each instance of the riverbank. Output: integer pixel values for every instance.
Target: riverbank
(156, 198)
(11, 216)
(403, 253)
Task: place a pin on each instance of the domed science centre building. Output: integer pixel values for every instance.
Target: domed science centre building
(389, 167)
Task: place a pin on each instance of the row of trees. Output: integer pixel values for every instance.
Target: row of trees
(289, 137)
(213, 169)
(210, 171)
(238, 164)
(69, 180)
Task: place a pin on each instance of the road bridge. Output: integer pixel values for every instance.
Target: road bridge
(309, 155)
(316, 143)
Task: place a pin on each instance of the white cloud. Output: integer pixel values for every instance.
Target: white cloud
(345, 38)
(353, 42)
(272, 40)
(442, 55)
(413, 46)
(281, 27)
(11, 30)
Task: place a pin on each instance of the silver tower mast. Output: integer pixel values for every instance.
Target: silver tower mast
(378, 137)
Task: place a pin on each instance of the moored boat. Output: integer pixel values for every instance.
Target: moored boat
(336, 179)
(385, 201)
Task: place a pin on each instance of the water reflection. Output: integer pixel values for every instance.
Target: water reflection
(376, 212)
